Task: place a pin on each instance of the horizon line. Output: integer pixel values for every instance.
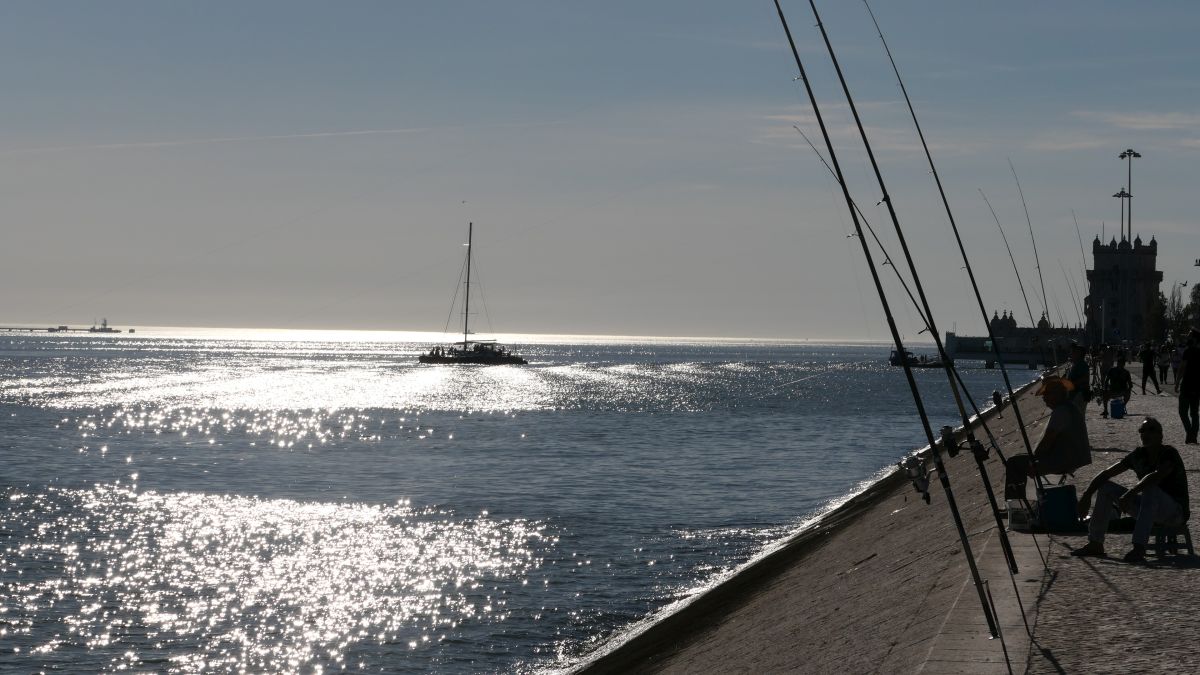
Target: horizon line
(36, 327)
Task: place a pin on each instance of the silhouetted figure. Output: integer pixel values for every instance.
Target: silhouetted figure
(1176, 362)
(1160, 495)
(1187, 384)
(1118, 383)
(1164, 361)
(1146, 356)
(1080, 377)
(1063, 446)
(996, 400)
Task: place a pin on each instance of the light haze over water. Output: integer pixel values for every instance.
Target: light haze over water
(631, 167)
(303, 502)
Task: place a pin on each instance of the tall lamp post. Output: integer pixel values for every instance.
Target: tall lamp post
(1128, 155)
(1123, 195)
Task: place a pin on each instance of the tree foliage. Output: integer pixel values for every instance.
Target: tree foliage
(1180, 317)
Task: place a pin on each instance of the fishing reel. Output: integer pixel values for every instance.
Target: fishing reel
(914, 468)
(952, 447)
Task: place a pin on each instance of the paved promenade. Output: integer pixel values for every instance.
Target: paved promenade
(1104, 615)
(883, 587)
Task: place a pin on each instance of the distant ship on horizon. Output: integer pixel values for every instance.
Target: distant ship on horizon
(103, 327)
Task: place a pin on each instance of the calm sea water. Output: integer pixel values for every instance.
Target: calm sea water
(219, 503)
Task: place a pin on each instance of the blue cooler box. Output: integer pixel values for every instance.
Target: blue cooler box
(1059, 505)
(1116, 408)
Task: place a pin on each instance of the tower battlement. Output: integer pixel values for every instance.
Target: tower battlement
(1122, 287)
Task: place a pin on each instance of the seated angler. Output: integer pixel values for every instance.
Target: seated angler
(1063, 446)
(1159, 496)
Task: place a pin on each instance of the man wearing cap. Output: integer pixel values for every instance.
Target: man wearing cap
(1187, 385)
(1063, 446)
(1159, 496)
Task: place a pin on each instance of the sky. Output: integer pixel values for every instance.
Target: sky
(631, 167)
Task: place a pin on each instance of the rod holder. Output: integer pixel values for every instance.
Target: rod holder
(948, 443)
(915, 469)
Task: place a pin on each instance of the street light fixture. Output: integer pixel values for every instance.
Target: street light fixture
(1123, 195)
(1128, 155)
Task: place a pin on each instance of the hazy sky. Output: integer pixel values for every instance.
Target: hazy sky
(631, 167)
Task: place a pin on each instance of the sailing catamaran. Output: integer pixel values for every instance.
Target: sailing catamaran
(484, 352)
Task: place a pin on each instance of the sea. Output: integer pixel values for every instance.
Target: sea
(187, 501)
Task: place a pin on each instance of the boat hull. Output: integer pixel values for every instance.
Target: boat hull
(482, 360)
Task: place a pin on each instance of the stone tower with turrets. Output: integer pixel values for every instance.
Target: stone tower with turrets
(1122, 287)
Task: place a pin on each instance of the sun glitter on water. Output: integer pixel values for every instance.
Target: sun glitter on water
(210, 582)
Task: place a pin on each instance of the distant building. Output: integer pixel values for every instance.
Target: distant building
(1042, 344)
(1122, 289)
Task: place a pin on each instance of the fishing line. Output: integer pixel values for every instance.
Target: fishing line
(862, 301)
(1017, 272)
(947, 433)
(1071, 290)
(1057, 309)
(843, 226)
(974, 286)
(908, 374)
(1082, 255)
(806, 378)
(888, 262)
(1029, 221)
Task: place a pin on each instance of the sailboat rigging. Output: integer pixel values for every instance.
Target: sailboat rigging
(483, 352)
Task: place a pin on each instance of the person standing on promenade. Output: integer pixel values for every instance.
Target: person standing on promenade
(1159, 496)
(1080, 377)
(1164, 361)
(1063, 446)
(1146, 356)
(1117, 383)
(1176, 361)
(1187, 385)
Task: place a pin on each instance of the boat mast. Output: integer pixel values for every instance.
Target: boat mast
(467, 297)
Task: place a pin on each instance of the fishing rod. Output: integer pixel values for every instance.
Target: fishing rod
(1045, 305)
(1032, 321)
(947, 363)
(887, 261)
(978, 298)
(1071, 289)
(943, 477)
(948, 439)
(979, 457)
(1082, 255)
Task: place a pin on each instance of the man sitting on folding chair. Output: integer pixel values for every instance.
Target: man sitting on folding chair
(1159, 497)
(1063, 447)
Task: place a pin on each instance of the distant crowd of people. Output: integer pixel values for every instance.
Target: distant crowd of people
(1161, 365)
(1160, 494)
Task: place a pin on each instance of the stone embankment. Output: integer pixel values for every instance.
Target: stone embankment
(881, 585)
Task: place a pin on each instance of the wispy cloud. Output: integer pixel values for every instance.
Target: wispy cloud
(178, 142)
(1059, 143)
(209, 141)
(1145, 121)
(898, 138)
